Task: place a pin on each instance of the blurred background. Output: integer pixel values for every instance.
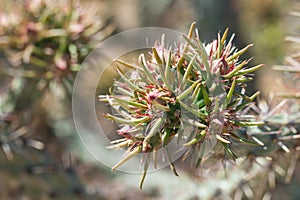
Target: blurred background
(41, 155)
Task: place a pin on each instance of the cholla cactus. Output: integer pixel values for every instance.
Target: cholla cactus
(42, 44)
(197, 85)
(48, 41)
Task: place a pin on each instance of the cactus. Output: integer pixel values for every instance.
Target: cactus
(42, 45)
(271, 131)
(197, 85)
(47, 43)
(195, 95)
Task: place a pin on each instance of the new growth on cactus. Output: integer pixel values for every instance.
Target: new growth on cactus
(196, 86)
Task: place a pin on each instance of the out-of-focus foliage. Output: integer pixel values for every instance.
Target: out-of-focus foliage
(262, 23)
(46, 41)
(42, 44)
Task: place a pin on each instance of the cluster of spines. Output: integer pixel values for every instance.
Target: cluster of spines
(203, 80)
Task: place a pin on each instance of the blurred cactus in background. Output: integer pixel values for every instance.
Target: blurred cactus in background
(42, 45)
(47, 41)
